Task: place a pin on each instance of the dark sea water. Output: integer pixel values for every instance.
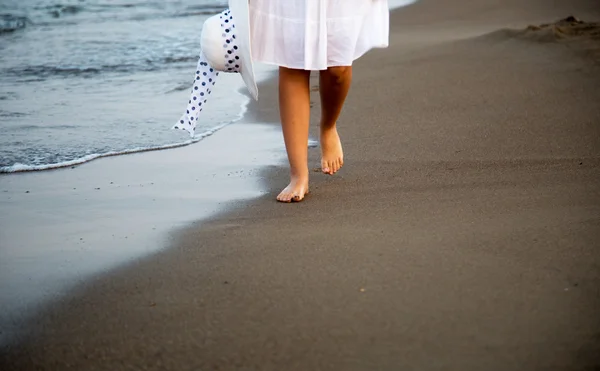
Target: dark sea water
(85, 78)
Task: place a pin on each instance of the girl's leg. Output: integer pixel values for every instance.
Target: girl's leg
(334, 84)
(294, 109)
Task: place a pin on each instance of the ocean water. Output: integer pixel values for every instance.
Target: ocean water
(85, 78)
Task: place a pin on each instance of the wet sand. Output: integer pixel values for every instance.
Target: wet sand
(61, 228)
(462, 233)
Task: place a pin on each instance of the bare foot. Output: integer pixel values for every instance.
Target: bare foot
(295, 191)
(332, 156)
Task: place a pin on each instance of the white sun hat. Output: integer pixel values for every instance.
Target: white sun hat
(225, 44)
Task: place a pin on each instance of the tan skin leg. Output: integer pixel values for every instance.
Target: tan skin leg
(334, 84)
(294, 109)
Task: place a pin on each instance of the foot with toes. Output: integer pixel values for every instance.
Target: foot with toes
(295, 191)
(332, 156)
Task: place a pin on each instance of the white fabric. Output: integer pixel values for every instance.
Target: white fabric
(225, 41)
(241, 13)
(221, 51)
(316, 34)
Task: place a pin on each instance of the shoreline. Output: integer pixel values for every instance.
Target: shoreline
(27, 286)
(459, 234)
(111, 213)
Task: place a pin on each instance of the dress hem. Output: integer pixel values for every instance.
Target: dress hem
(273, 63)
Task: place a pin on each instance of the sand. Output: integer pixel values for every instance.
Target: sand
(462, 233)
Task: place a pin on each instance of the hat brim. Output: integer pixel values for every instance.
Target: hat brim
(241, 15)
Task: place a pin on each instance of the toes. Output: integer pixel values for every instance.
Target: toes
(331, 167)
(334, 167)
(338, 164)
(288, 196)
(284, 197)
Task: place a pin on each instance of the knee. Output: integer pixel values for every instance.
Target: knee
(340, 74)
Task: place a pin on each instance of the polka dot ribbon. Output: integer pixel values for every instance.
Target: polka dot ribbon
(206, 75)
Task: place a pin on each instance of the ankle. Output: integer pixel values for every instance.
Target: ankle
(299, 173)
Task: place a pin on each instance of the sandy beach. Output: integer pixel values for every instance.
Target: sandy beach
(461, 234)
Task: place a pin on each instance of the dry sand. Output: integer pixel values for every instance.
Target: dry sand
(462, 233)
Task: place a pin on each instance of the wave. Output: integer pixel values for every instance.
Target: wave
(35, 127)
(215, 8)
(11, 114)
(67, 71)
(57, 11)
(49, 15)
(19, 168)
(45, 71)
(10, 23)
(169, 60)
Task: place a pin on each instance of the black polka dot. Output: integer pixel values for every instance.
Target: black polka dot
(181, 121)
(203, 84)
(194, 98)
(193, 108)
(196, 88)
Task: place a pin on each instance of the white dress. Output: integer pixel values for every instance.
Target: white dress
(316, 34)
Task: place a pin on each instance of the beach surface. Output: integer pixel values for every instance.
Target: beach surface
(462, 233)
